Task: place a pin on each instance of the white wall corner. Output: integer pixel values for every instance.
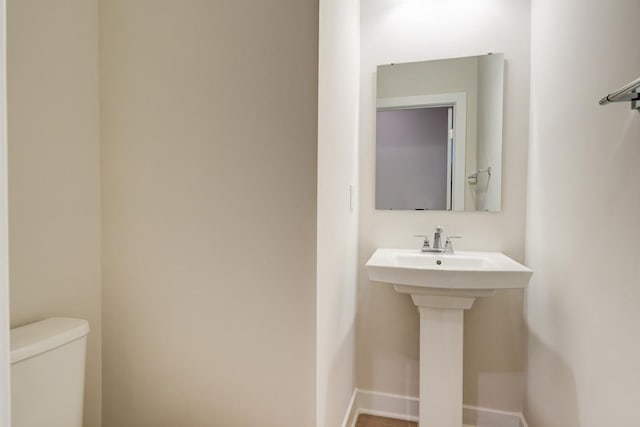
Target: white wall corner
(407, 407)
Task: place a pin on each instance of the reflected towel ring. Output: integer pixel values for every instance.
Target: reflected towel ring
(473, 178)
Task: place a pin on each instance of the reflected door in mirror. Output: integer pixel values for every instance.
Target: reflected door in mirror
(413, 158)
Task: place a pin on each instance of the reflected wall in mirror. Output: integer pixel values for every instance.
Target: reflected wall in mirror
(439, 134)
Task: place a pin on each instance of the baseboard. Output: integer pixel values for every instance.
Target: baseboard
(487, 417)
(407, 407)
(351, 416)
(523, 422)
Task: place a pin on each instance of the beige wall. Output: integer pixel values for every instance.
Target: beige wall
(4, 232)
(583, 229)
(339, 71)
(209, 114)
(54, 199)
(412, 30)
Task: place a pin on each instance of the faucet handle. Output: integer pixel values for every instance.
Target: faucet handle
(425, 243)
(448, 246)
(439, 229)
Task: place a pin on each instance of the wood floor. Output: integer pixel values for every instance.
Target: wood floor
(371, 421)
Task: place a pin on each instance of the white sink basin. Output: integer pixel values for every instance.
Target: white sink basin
(462, 270)
(466, 261)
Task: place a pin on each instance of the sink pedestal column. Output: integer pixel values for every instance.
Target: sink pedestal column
(441, 341)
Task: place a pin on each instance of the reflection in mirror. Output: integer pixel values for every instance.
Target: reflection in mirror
(439, 134)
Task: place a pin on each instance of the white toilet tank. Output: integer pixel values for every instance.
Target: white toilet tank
(47, 373)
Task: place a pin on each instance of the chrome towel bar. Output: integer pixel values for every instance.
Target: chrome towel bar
(629, 92)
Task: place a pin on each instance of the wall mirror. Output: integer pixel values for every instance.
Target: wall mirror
(439, 134)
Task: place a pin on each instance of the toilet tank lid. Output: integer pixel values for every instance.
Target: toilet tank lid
(39, 337)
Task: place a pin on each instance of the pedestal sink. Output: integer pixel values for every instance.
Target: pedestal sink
(443, 286)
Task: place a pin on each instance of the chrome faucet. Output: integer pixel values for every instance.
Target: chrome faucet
(437, 243)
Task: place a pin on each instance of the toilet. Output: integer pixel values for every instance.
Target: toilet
(47, 373)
